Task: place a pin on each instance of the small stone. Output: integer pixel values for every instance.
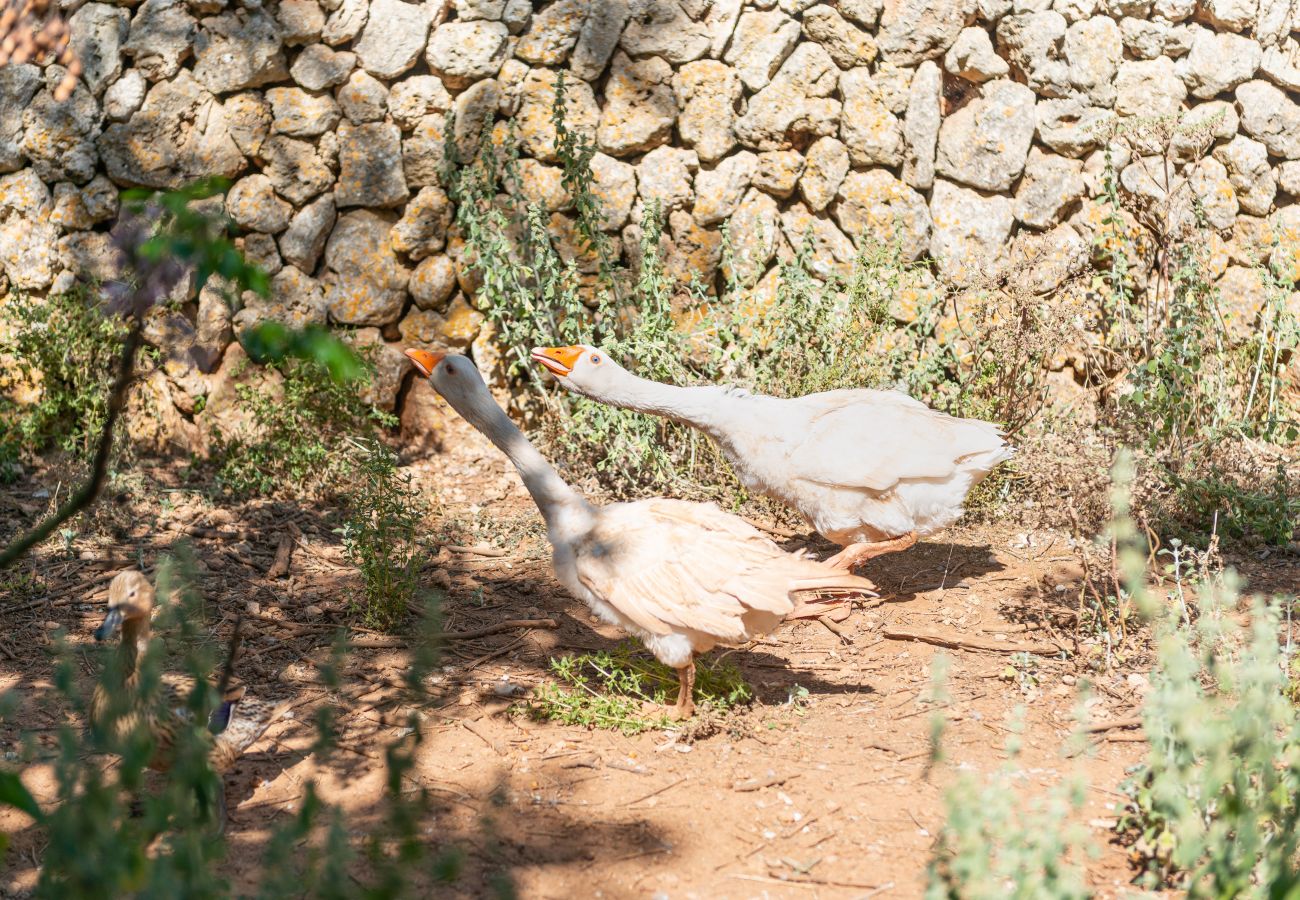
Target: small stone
(1209, 183)
(318, 67)
(1248, 169)
(59, 135)
(921, 125)
(124, 96)
(598, 37)
(422, 230)
(553, 33)
(162, 36)
(664, 175)
(470, 10)
(252, 204)
(363, 98)
(873, 134)
(98, 32)
(830, 252)
(370, 166)
(1270, 117)
(433, 282)
(718, 191)
(1149, 88)
(1069, 127)
(969, 229)
(424, 152)
(825, 167)
(1031, 41)
(1288, 178)
(475, 108)
(537, 98)
(1094, 49)
(797, 104)
(1218, 63)
(613, 185)
(295, 169)
(302, 243)
(301, 21)
(864, 12)
(463, 52)
(639, 106)
(662, 28)
(1051, 186)
(1143, 38)
(345, 22)
(761, 43)
(393, 38)
(912, 31)
(239, 50)
(972, 57)
(755, 227)
(847, 45)
(260, 250)
(707, 92)
(778, 172)
(411, 99)
(1227, 15)
(365, 284)
(542, 185)
(875, 206)
(984, 143)
(300, 114)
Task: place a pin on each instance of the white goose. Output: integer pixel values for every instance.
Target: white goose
(683, 577)
(870, 470)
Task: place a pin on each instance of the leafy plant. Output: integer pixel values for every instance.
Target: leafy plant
(380, 535)
(613, 690)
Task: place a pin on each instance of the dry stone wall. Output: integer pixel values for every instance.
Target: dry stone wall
(969, 128)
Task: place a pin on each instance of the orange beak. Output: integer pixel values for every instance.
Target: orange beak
(424, 360)
(559, 360)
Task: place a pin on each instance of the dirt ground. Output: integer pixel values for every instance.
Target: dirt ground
(827, 797)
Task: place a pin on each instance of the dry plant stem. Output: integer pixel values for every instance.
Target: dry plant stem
(89, 491)
(967, 643)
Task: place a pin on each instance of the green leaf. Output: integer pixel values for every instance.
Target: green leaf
(272, 342)
(14, 793)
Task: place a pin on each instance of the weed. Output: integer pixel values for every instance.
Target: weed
(385, 515)
(613, 689)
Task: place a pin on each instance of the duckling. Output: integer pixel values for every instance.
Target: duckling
(235, 724)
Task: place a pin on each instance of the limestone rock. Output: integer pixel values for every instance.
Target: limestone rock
(162, 37)
(969, 230)
(300, 114)
(422, 230)
(1270, 117)
(475, 108)
(847, 45)
(393, 38)
(1275, 18)
(1032, 42)
(1281, 64)
(912, 31)
(252, 205)
(318, 67)
(124, 96)
(707, 92)
(778, 172)
(179, 135)
(302, 243)
(613, 185)
(469, 10)
(363, 98)
(718, 191)
(1149, 88)
(1050, 187)
(365, 284)
(411, 99)
(664, 175)
(875, 206)
(984, 143)
(639, 106)
(1075, 10)
(295, 168)
(28, 240)
(1143, 38)
(1244, 295)
(796, 102)
(1067, 126)
(1227, 15)
(921, 125)
(1288, 178)
(761, 43)
(1094, 49)
(662, 28)
(553, 33)
(98, 32)
(18, 84)
(69, 213)
(260, 250)
(432, 283)
(720, 20)
(972, 57)
(754, 230)
(537, 97)
(864, 12)
(598, 37)
(1247, 166)
(830, 251)
(424, 152)
(248, 117)
(1218, 63)
(824, 169)
(391, 367)
(1210, 185)
(59, 136)
(1201, 126)
(345, 22)
(370, 166)
(463, 52)
(874, 135)
(234, 51)
(542, 185)
(456, 328)
(301, 21)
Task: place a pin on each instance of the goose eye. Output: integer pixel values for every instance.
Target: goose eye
(448, 369)
(595, 358)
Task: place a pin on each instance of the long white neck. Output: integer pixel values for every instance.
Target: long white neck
(701, 407)
(566, 513)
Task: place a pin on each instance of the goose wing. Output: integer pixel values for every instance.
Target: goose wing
(669, 565)
(875, 439)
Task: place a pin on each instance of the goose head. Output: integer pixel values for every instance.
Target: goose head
(457, 380)
(582, 368)
(130, 599)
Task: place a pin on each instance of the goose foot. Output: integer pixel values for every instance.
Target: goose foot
(855, 555)
(685, 707)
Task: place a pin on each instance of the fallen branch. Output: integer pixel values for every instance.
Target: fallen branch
(380, 641)
(1131, 722)
(756, 784)
(283, 553)
(967, 643)
(656, 793)
(478, 550)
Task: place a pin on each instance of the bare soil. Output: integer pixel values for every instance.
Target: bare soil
(830, 796)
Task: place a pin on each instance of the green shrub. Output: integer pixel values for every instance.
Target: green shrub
(380, 534)
(65, 347)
